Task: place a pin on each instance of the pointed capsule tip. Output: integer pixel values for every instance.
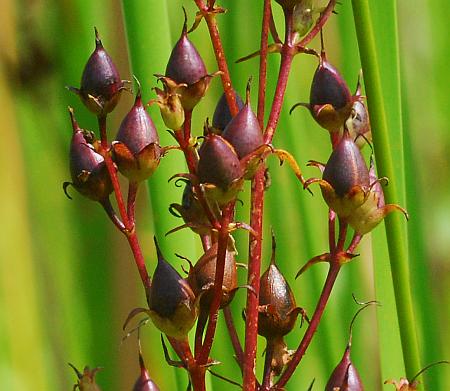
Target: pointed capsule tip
(98, 41)
(247, 91)
(158, 250)
(184, 31)
(274, 245)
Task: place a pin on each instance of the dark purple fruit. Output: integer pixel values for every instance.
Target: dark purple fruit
(171, 300)
(243, 131)
(89, 174)
(202, 275)
(222, 114)
(219, 168)
(136, 149)
(345, 377)
(346, 167)
(144, 382)
(101, 84)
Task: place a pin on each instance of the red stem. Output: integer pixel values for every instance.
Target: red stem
(210, 18)
(131, 201)
(223, 234)
(253, 279)
(287, 55)
(129, 231)
(263, 62)
(315, 320)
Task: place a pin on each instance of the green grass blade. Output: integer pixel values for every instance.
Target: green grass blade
(382, 130)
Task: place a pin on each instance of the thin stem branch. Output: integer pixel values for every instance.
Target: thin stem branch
(210, 17)
(333, 272)
(223, 236)
(287, 54)
(263, 62)
(129, 230)
(233, 336)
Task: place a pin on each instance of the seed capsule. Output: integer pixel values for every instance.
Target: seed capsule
(89, 174)
(219, 169)
(278, 309)
(222, 115)
(202, 276)
(187, 69)
(243, 131)
(171, 300)
(136, 149)
(330, 99)
(101, 85)
(345, 377)
(346, 167)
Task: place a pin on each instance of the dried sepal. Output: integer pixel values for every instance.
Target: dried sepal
(367, 216)
(86, 380)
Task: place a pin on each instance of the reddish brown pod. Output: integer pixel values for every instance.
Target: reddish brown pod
(86, 380)
(222, 114)
(219, 169)
(191, 211)
(278, 313)
(345, 178)
(202, 276)
(136, 149)
(243, 131)
(89, 174)
(186, 73)
(101, 84)
(345, 377)
(171, 301)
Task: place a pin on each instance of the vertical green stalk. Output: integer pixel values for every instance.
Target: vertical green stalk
(395, 231)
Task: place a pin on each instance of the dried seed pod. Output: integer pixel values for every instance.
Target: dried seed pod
(346, 167)
(278, 311)
(89, 174)
(222, 115)
(345, 377)
(171, 301)
(219, 169)
(144, 382)
(191, 211)
(243, 131)
(202, 275)
(345, 179)
(101, 84)
(136, 149)
(86, 380)
(187, 69)
(330, 100)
